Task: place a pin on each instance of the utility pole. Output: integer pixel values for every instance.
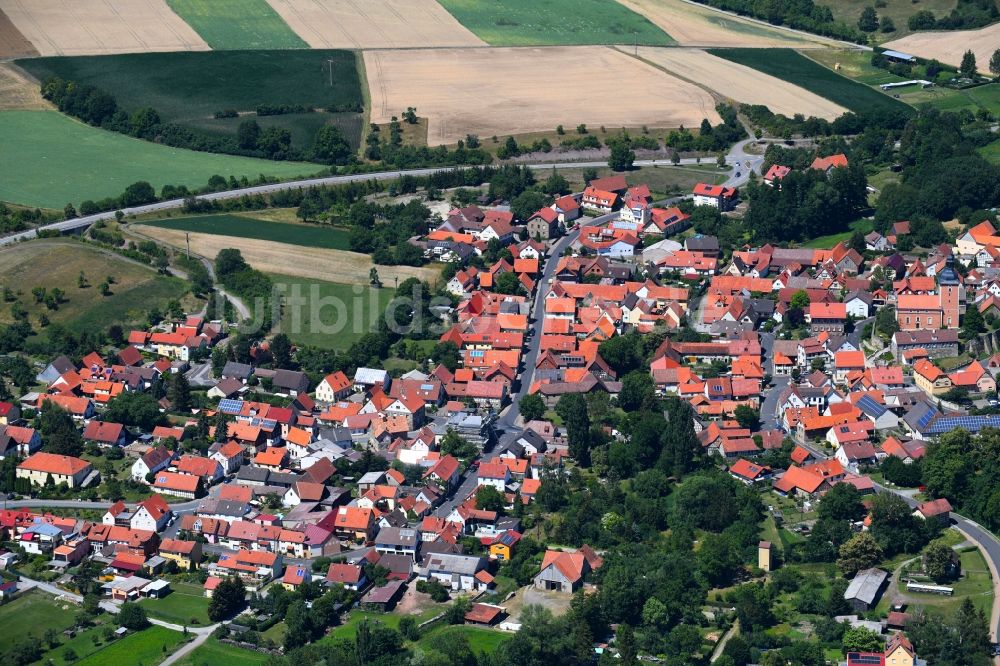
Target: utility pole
(187, 239)
(330, 64)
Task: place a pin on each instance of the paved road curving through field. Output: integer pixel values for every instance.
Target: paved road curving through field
(737, 158)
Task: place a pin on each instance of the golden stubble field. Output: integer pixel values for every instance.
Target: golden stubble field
(693, 25)
(741, 83)
(506, 91)
(294, 260)
(18, 91)
(101, 27)
(948, 47)
(373, 24)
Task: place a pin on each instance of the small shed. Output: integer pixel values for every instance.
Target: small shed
(485, 615)
(383, 598)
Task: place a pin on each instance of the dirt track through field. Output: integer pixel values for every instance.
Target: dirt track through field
(948, 47)
(12, 43)
(373, 24)
(741, 83)
(100, 27)
(294, 260)
(692, 25)
(18, 91)
(505, 91)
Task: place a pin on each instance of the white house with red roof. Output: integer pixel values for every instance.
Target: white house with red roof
(567, 208)
(716, 196)
(334, 387)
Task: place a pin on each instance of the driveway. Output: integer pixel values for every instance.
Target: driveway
(556, 602)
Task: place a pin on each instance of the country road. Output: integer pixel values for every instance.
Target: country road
(736, 158)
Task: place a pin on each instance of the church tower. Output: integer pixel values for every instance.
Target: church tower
(951, 294)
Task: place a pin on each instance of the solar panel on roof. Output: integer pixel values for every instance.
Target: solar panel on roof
(926, 418)
(868, 404)
(230, 406)
(427, 387)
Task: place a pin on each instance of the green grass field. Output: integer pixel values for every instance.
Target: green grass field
(185, 604)
(982, 97)
(247, 226)
(190, 87)
(149, 646)
(555, 22)
(481, 641)
(991, 151)
(793, 67)
(855, 65)
(237, 24)
(48, 160)
(214, 653)
(826, 242)
(58, 263)
(349, 629)
(29, 616)
(331, 315)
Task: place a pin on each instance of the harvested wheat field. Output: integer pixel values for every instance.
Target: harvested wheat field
(18, 91)
(741, 83)
(373, 24)
(295, 260)
(12, 43)
(948, 47)
(694, 25)
(505, 91)
(101, 27)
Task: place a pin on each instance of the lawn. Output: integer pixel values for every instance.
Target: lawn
(48, 159)
(185, 604)
(237, 24)
(975, 584)
(826, 242)
(148, 646)
(795, 68)
(58, 263)
(29, 616)
(349, 629)
(981, 97)
(247, 226)
(190, 87)
(329, 314)
(555, 22)
(481, 641)
(214, 653)
(991, 151)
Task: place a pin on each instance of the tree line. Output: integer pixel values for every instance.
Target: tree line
(100, 108)
(799, 14)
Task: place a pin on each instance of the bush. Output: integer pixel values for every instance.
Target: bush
(436, 590)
